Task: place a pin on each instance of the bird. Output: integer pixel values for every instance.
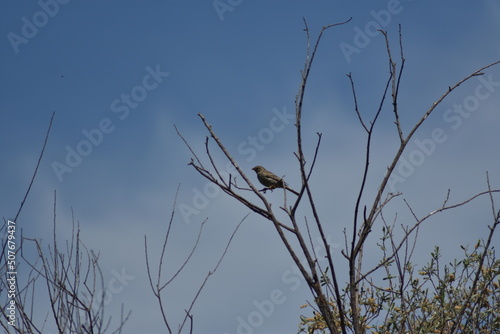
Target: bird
(270, 180)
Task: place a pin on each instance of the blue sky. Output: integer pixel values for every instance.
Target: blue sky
(134, 69)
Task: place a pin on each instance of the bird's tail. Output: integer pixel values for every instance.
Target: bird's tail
(291, 190)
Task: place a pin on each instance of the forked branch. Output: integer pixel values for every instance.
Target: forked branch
(159, 285)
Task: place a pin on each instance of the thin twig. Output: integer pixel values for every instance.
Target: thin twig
(210, 273)
(375, 205)
(396, 79)
(479, 272)
(420, 221)
(356, 108)
(188, 146)
(37, 165)
(323, 304)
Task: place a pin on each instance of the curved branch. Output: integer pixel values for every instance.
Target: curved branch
(375, 206)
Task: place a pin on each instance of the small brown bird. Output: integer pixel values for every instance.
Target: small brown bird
(270, 180)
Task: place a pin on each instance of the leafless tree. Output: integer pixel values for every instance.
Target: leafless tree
(70, 276)
(340, 308)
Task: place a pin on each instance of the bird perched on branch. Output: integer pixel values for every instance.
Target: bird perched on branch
(270, 180)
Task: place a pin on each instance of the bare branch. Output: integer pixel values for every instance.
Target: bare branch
(37, 165)
(305, 184)
(366, 226)
(356, 108)
(188, 146)
(158, 287)
(396, 79)
(375, 206)
(210, 273)
(419, 221)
